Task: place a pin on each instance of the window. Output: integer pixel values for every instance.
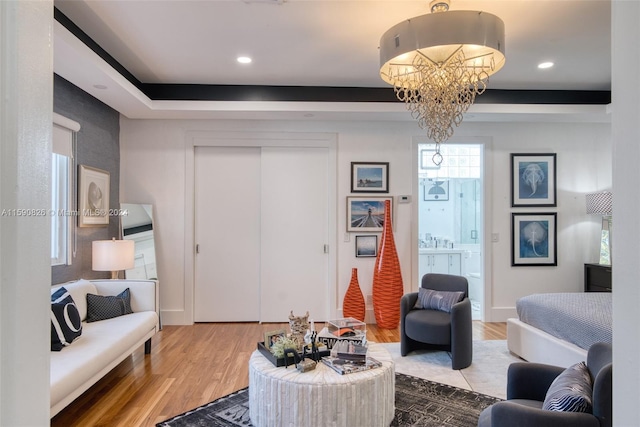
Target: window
(458, 161)
(61, 211)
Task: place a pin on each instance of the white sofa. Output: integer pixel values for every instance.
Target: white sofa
(105, 343)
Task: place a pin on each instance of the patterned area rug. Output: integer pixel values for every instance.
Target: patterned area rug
(419, 402)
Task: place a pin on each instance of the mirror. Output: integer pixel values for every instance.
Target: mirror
(137, 225)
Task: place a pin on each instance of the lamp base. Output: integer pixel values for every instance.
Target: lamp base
(114, 275)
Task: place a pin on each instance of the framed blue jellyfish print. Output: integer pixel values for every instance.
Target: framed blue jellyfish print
(533, 180)
(533, 239)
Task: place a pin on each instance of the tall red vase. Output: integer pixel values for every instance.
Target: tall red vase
(387, 278)
(353, 304)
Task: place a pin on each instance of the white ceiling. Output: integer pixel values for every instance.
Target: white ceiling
(308, 43)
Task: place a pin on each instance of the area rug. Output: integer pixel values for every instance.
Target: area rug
(487, 373)
(419, 403)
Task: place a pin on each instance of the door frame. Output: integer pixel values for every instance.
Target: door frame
(487, 214)
(208, 138)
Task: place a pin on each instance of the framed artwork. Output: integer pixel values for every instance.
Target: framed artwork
(366, 213)
(271, 337)
(533, 180)
(93, 197)
(436, 190)
(533, 239)
(369, 177)
(366, 246)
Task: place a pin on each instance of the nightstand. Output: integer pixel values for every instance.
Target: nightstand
(597, 278)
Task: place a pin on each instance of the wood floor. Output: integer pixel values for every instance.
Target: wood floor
(188, 367)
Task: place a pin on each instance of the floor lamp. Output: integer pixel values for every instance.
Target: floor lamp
(600, 204)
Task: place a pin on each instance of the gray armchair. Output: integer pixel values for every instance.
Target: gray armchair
(439, 330)
(527, 385)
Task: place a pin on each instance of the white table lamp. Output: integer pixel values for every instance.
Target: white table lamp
(601, 204)
(112, 255)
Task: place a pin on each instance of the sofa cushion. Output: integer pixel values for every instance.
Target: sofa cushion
(437, 300)
(570, 391)
(66, 325)
(101, 307)
(103, 345)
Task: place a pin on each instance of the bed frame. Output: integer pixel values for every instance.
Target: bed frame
(534, 345)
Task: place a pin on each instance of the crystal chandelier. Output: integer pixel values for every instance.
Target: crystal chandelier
(438, 63)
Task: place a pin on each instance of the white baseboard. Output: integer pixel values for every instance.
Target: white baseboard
(501, 314)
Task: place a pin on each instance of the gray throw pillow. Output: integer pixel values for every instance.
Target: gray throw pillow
(437, 300)
(571, 391)
(101, 307)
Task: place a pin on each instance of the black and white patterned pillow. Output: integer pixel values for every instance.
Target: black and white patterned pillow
(437, 300)
(571, 391)
(101, 307)
(66, 324)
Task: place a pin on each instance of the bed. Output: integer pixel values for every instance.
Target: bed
(559, 328)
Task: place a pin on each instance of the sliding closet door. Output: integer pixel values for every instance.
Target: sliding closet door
(262, 232)
(227, 234)
(295, 217)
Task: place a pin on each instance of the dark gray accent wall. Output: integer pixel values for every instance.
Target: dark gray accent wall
(98, 146)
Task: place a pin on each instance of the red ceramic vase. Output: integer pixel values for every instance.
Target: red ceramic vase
(387, 278)
(353, 304)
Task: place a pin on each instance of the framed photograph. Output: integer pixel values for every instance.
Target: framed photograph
(533, 180)
(366, 246)
(366, 213)
(93, 197)
(271, 337)
(369, 177)
(533, 239)
(436, 190)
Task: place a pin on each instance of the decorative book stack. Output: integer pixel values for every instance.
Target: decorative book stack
(343, 366)
(348, 357)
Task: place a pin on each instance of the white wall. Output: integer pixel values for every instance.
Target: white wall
(625, 95)
(26, 90)
(153, 171)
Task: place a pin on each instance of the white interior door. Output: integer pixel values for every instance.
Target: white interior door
(295, 233)
(227, 234)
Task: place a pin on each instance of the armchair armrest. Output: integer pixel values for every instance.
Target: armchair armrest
(406, 303)
(461, 334)
(509, 414)
(530, 380)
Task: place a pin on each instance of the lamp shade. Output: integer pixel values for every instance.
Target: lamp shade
(599, 203)
(112, 255)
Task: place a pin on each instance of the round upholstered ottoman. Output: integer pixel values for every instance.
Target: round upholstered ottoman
(322, 397)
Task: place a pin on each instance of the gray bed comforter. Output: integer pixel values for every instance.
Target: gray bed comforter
(580, 318)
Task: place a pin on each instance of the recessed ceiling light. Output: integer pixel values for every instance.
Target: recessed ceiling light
(100, 86)
(544, 65)
(244, 59)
